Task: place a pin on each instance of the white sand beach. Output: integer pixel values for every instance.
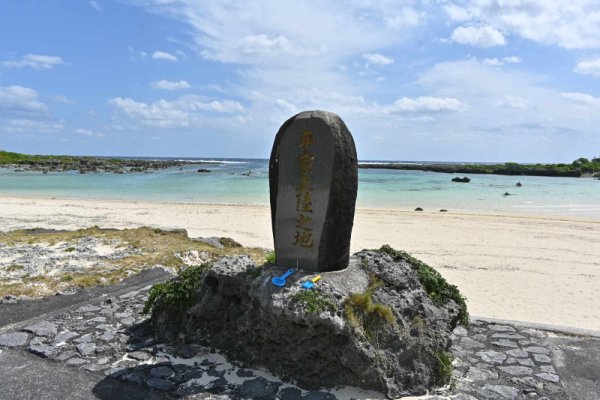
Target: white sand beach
(528, 268)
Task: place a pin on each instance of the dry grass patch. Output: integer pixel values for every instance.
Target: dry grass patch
(153, 247)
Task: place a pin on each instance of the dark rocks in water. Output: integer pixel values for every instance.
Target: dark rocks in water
(313, 181)
(461, 180)
(371, 325)
(518, 184)
(507, 194)
(443, 210)
(49, 164)
(247, 173)
(418, 209)
(203, 170)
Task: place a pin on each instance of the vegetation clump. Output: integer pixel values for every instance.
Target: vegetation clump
(178, 292)
(314, 301)
(443, 368)
(52, 163)
(437, 288)
(361, 311)
(577, 168)
(270, 257)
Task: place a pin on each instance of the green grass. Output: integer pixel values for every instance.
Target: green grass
(178, 292)
(437, 288)
(363, 313)
(14, 267)
(69, 249)
(270, 257)
(443, 372)
(314, 301)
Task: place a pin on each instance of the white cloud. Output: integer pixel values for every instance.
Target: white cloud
(403, 17)
(485, 36)
(20, 100)
(457, 13)
(496, 62)
(573, 24)
(32, 126)
(582, 98)
(263, 44)
(426, 104)
(88, 132)
(251, 33)
(377, 59)
(161, 55)
(36, 61)
(514, 102)
(186, 111)
(22, 112)
(61, 99)
(94, 4)
(454, 108)
(170, 85)
(588, 67)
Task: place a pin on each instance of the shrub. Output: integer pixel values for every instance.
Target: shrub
(437, 288)
(179, 291)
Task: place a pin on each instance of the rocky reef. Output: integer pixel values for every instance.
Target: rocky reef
(384, 323)
(46, 163)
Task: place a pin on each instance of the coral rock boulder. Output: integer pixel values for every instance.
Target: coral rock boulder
(383, 323)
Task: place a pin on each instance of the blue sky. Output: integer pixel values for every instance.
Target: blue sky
(450, 80)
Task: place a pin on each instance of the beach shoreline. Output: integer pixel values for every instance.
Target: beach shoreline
(535, 268)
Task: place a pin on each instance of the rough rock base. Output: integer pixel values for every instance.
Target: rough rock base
(371, 325)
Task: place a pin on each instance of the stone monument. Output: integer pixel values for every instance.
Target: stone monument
(313, 180)
(370, 322)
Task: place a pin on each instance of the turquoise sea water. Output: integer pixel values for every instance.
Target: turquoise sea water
(378, 188)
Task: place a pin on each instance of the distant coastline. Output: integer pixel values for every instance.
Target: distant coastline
(50, 163)
(581, 167)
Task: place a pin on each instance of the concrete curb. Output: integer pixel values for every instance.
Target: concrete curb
(565, 330)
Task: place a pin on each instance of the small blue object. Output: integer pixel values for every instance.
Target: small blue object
(279, 281)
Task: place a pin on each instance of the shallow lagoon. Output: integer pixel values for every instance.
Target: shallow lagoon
(229, 183)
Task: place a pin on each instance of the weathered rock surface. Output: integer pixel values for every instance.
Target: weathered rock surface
(255, 322)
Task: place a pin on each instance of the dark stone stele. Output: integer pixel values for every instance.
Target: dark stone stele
(333, 181)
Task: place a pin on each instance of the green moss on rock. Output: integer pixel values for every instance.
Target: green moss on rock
(314, 301)
(178, 292)
(437, 288)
